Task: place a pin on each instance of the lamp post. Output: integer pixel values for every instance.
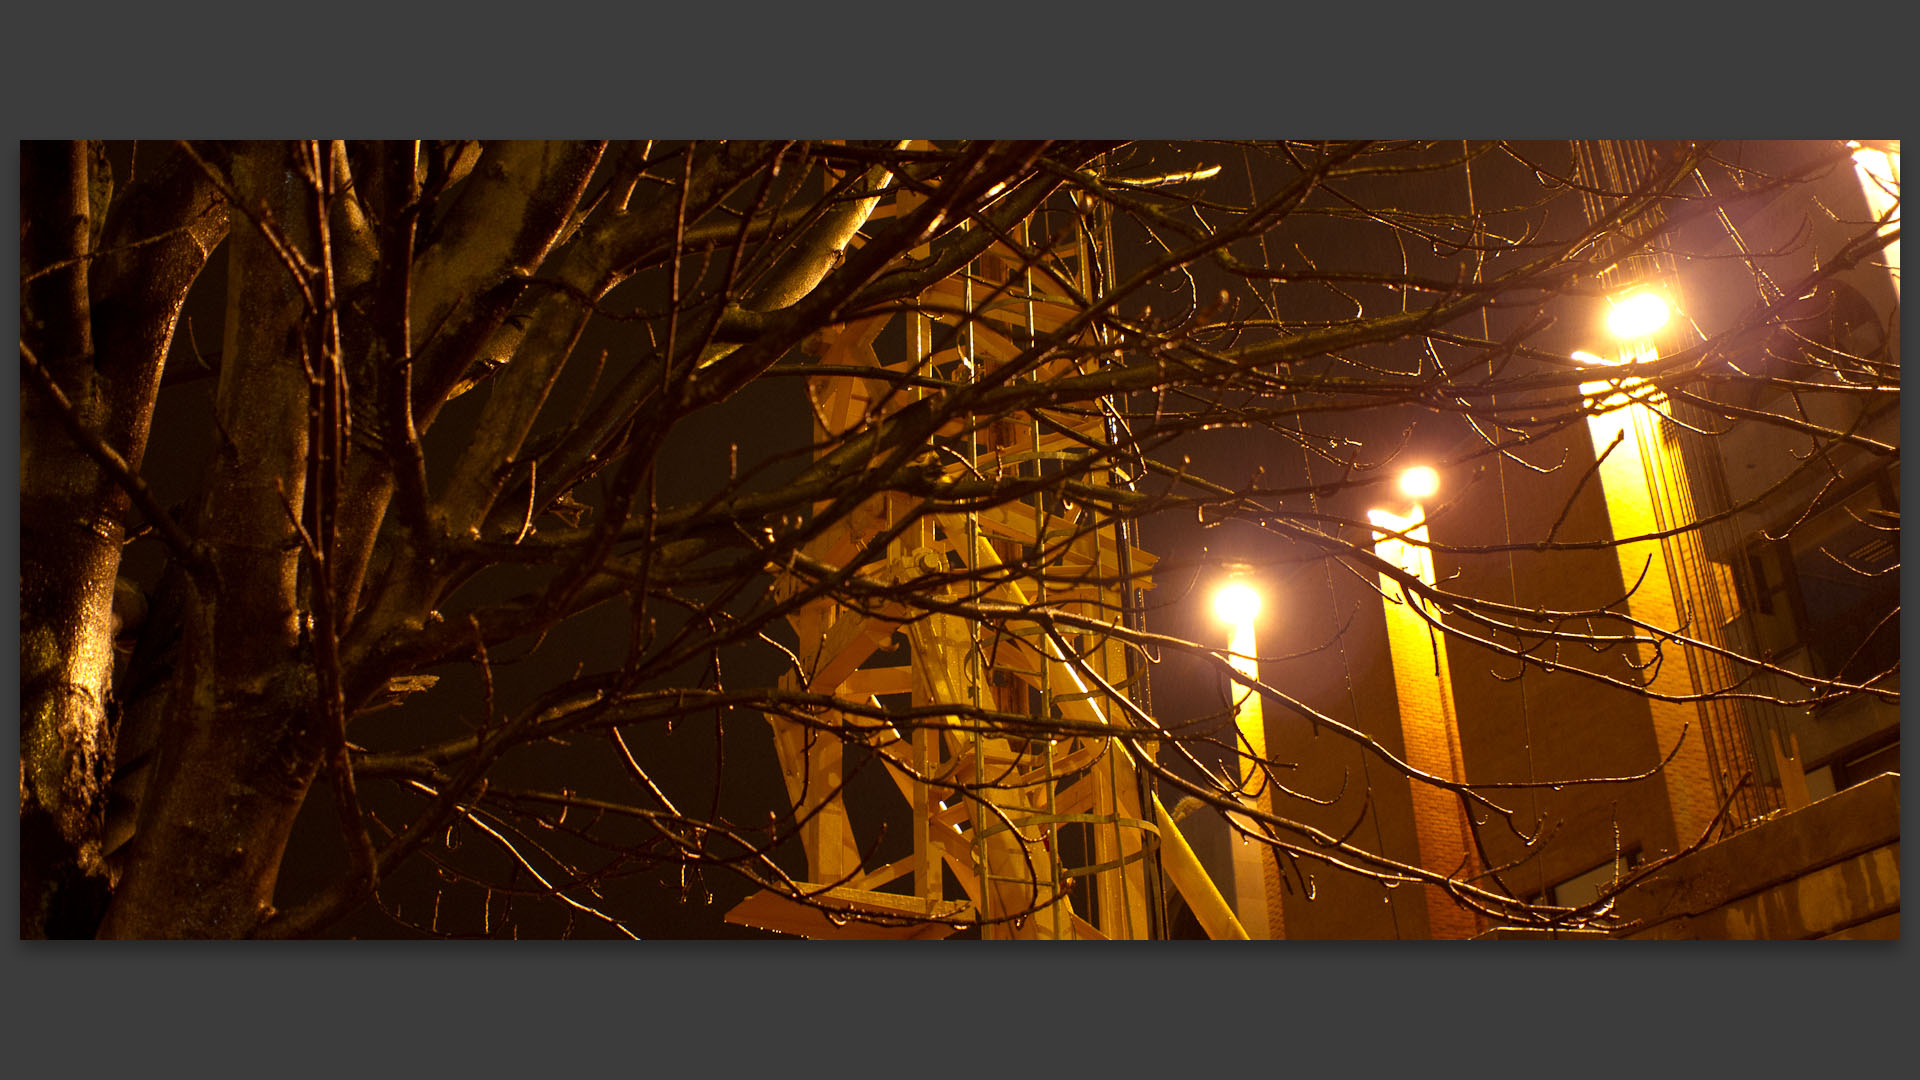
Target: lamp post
(1255, 871)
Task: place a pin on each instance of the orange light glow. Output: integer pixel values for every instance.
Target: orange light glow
(1420, 482)
(1637, 316)
(1878, 167)
(1236, 604)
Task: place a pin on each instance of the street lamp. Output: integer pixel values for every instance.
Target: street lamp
(1237, 604)
(1637, 315)
(1419, 482)
(1410, 554)
(1878, 167)
(1632, 320)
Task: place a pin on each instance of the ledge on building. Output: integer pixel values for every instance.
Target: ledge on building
(1828, 871)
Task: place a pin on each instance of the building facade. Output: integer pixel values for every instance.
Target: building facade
(1743, 534)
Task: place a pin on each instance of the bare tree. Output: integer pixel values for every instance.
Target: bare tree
(677, 411)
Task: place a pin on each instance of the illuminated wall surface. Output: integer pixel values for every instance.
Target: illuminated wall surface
(1879, 173)
(1628, 446)
(1256, 877)
(1423, 685)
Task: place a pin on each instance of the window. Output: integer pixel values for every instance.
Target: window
(1768, 598)
(1832, 585)
(1866, 765)
(1585, 888)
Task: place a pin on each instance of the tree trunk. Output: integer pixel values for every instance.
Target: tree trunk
(99, 321)
(70, 535)
(240, 745)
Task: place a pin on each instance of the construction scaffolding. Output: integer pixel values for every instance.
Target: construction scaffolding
(1053, 836)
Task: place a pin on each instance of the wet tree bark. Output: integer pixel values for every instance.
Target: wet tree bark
(238, 748)
(70, 534)
(105, 280)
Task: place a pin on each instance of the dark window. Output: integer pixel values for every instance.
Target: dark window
(1769, 598)
(1831, 584)
(1847, 562)
(1866, 766)
(1585, 888)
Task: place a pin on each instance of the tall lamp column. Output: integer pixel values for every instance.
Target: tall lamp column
(1256, 872)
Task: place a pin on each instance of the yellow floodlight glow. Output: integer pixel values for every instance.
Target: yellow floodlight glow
(1420, 482)
(1880, 176)
(1637, 316)
(1878, 167)
(1236, 604)
(1410, 554)
(1255, 875)
(1590, 360)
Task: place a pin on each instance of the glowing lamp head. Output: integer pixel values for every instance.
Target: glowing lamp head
(1419, 482)
(1237, 603)
(1637, 316)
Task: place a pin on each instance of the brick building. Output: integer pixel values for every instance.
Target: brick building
(1792, 558)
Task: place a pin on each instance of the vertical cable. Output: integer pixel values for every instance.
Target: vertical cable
(1346, 662)
(1506, 515)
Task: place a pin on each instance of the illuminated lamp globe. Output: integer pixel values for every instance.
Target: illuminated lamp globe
(1637, 316)
(1419, 482)
(1236, 604)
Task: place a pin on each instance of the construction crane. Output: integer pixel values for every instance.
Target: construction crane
(1025, 837)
